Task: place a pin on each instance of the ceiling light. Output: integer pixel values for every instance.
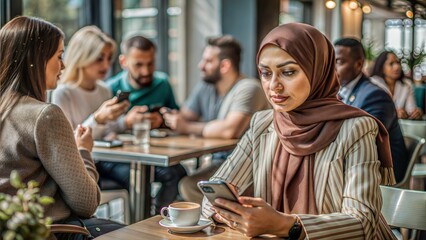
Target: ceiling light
(366, 9)
(353, 4)
(409, 14)
(330, 4)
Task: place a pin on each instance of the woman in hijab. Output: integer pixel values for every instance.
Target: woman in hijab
(315, 163)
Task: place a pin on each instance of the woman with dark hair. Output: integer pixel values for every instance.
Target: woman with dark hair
(315, 164)
(36, 137)
(388, 74)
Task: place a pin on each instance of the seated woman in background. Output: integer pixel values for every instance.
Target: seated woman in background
(82, 95)
(86, 100)
(36, 137)
(315, 163)
(387, 74)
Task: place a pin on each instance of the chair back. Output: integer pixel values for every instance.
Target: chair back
(414, 145)
(414, 128)
(404, 208)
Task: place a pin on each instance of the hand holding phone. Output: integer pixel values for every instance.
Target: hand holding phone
(217, 189)
(121, 96)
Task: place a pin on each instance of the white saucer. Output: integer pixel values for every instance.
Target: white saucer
(203, 223)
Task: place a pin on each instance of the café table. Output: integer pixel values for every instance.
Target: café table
(151, 229)
(161, 152)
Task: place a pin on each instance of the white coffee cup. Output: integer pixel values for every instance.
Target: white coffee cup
(182, 213)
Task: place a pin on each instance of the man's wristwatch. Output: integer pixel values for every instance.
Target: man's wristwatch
(295, 231)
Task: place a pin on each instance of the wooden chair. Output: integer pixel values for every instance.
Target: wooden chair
(68, 228)
(414, 145)
(404, 208)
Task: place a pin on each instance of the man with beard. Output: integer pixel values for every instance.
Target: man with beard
(221, 106)
(148, 89)
(357, 90)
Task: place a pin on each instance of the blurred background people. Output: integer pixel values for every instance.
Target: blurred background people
(387, 73)
(358, 91)
(220, 106)
(82, 95)
(149, 89)
(36, 137)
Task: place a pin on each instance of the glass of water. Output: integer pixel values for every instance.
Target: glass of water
(141, 132)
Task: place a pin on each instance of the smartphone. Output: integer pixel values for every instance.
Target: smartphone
(216, 189)
(121, 96)
(154, 108)
(107, 144)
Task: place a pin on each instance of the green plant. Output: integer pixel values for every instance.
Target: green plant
(415, 58)
(22, 215)
(370, 50)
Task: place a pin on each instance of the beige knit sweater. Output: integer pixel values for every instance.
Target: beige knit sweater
(37, 140)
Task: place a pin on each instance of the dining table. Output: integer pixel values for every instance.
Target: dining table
(152, 230)
(163, 152)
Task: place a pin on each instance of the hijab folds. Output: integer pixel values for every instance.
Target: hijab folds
(314, 124)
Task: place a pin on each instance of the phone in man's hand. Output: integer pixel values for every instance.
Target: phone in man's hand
(121, 96)
(217, 189)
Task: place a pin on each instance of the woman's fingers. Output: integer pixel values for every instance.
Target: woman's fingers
(228, 217)
(254, 202)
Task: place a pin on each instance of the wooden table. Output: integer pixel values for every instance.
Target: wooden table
(150, 229)
(162, 152)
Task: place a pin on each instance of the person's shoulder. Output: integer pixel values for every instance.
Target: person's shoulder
(358, 127)
(33, 107)
(62, 88)
(161, 76)
(115, 80)
(248, 84)
(371, 89)
(267, 114)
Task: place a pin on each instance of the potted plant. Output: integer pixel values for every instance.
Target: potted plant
(370, 56)
(22, 215)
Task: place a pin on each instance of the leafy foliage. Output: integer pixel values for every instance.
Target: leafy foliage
(370, 50)
(22, 215)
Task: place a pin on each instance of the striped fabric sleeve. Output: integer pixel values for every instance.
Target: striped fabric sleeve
(236, 170)
(361, 201)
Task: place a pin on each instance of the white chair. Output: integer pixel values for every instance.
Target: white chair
(107, 196)
(414, 145)
(415, 128)
(404, 208)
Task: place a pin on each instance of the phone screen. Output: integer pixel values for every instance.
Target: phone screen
(121, 96)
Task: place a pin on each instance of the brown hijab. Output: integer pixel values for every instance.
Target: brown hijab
(313, 125)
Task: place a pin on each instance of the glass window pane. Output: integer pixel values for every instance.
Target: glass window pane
(137, 17)
(68, 18)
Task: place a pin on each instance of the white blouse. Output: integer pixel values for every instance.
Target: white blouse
(403, 95)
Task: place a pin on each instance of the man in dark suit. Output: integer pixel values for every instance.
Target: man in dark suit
(357, 90)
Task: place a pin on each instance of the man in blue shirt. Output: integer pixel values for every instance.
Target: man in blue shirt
(149, 90)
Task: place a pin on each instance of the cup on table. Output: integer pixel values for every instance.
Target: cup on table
(182, 213)
(141, 132)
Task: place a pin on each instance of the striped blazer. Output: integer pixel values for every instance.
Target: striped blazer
(347, 178)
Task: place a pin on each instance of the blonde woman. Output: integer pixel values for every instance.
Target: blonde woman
(82, 95)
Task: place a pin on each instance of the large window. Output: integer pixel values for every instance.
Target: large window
(400, 38)
(162, 22)
(66, 14)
